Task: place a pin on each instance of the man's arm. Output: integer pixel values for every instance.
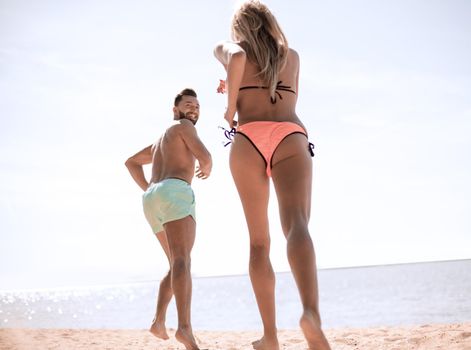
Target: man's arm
(135, 163)
(193, 142)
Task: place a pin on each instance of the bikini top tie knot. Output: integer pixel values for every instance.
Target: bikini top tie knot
(281, 88)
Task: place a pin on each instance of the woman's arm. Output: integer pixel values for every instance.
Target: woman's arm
(233, 58)
(296, 57)
(224, 50)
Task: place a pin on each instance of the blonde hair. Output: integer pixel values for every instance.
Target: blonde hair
(260, 35)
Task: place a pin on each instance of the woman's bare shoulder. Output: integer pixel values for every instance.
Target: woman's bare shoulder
(293, 54)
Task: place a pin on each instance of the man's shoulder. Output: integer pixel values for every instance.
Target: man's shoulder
(182, 125)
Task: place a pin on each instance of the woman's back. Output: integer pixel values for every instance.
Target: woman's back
(254, 102)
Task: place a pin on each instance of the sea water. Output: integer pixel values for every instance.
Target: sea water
(406, 294)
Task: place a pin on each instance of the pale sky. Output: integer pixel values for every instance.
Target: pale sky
(385, 92)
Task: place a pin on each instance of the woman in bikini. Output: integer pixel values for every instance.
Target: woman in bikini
(270, 141)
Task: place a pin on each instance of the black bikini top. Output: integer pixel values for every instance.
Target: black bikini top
(277, 93)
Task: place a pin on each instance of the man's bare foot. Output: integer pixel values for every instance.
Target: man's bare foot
(185, 337)
(158, 329)
(313, 332)
(266, 344)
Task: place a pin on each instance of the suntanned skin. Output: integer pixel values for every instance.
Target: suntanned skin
(292, 179)
(174, 155)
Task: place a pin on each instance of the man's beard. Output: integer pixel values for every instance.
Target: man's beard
(183, 116)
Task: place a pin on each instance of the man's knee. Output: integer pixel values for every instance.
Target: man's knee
(167, 278)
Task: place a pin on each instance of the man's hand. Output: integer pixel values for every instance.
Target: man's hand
(222, 87)
(135, 163)
(203, 172)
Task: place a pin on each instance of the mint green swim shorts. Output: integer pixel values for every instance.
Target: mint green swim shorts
(168, 200)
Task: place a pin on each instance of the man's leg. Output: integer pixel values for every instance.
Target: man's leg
(181, 237)
(164, 296)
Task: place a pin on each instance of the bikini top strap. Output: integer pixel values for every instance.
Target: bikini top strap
(279, 87)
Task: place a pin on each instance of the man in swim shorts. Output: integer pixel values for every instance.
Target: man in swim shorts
(169, 207)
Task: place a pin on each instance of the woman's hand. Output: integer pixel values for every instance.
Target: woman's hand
(230, 112)
(229, 117)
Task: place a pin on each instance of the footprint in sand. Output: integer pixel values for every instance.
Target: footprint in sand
(294, 341)
(465, 335)
(415, 341)
(347, 341)
(393, 339)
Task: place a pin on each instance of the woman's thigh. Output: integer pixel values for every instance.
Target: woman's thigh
(292, 178)
(249, 174)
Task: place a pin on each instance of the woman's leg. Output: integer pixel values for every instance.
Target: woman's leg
(248, 171)
(292, 178)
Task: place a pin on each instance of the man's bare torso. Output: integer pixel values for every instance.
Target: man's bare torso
(171, 157)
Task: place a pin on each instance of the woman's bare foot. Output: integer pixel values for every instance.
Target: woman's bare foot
(266, 344)
(158, 329)
(313, 332)
(185, 336)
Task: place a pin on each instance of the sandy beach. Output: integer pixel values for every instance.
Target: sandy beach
(424, 337)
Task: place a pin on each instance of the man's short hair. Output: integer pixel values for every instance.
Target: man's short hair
(184, 92)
